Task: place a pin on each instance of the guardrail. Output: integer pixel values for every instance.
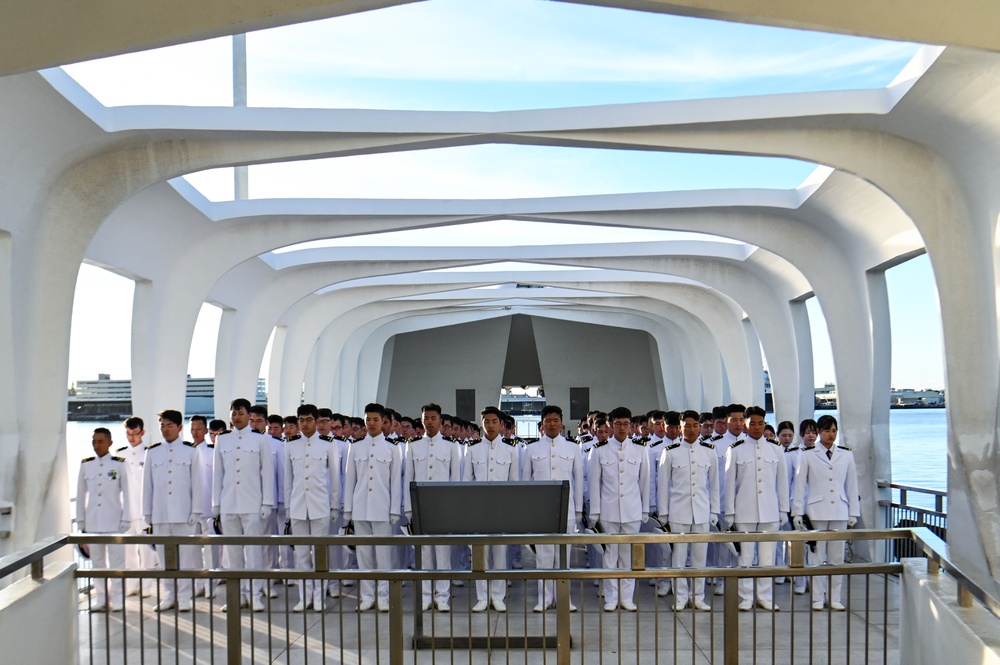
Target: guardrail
(909, 508)
(339, 633)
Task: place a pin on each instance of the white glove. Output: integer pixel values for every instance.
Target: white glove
(393, 517)
(334, 514)
(265, 512)
(216, 512)
(579, 516)
(645, 517)
(193, 519)
(594, 519)
(713, 520)
(149, 520)
(124, 526)
(409, 515)
(82, 526)
(851, 521)
(347, 516)
(798, 524)
(730, 520)
(784, 519)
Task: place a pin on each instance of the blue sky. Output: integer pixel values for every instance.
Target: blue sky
(493, 55)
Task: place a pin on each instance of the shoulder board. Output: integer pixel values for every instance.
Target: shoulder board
(639, 442)
(643, 439)
(257, 431)
(571, 439)
(188, 443)
(708, 445)
(736, 443)
(151, 446)
(587, 437)
(295, 438)
(394, 442)
(508, 441)
(472, 442)
(88, 459)
(338, 438)
(122, 449)
(326, 437)
(211, 445)
(808, 447)
(715, 437)
(119, 459)
(775, 442)
(672, 446)
(530, 440)
(601, 443)
(843, 447)
(791, 449)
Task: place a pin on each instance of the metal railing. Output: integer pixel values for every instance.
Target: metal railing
(654, 633)
(915, 507)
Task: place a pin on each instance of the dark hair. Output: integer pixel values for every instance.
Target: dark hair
(240, 403)
(754, 411)
(339, 416)
(275, 419)
(720, 412)
(259, 410)
(735, 408)
(202, 419)
(620, 412)
(672, 418)
(657, 414)
(375, 407)
(550, 409)
(134, 422)
(769, 426)
(806, 425)
(217, 425)
(103, 430)
(431, 406)
(786, 424)
(826, 422)
(706, 417)
(324, 413)
(291, 420)
(491, 411)
(690, 413)
(307, 410)
(171, 415)
(600, 420)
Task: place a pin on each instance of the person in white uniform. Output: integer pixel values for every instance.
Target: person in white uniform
(552, 457)
(372, 499)
(312, 495)
(826, 489)
(689, 502)
(657, 554)
(756, 500)
(211, 554)
(102, 500)
(137, 557)
(432, 458)
(619, 500)
(243, 494)
(492, 459)
(171, 490)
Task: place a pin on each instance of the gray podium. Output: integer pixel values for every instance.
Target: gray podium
(485, 508)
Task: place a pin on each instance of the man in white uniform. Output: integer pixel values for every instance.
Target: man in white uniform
(493, 459)
(756, 500)
(211, 554)
(243, 494)
(102, 500)
(432, 458)
(171, 489)
(689, 502)
(658, 554)
(312, 495)
(826, 489)
(137, 557)
(619, 500)
(372, 499)
(552, 457)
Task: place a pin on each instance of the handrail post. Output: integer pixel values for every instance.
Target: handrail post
(234, 627)
(562, 622)
(396, 621)
(731, 617)
(38, 569)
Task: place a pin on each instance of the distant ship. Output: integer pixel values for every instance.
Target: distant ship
(111, 399)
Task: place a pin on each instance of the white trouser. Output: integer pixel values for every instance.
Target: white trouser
(269, 553)
(831, 552)
(138, 557)
(339, 554)
(178, 590)
(211, 555)
(104, 557)
(247, 524)
(545, 557)
(436, 557)
(309, 589)
(783, 554)
(496, 558)
(657, 554)
(374, 558)
(286, 553)
(699, 555)
(620, 557)
(765, 559)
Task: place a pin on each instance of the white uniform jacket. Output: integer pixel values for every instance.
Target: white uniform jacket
(556, 459)
(311, 471)
(243, 477)
(654, 447)
(431, 460)
(374, 482)
(826, 489)
(496, 460)
(206, 458)
(135, 459)
(619, 480)
(756, 481)
(278, 460)
(171, 482)
(102, 493)
(792, 464)
(689, 483)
